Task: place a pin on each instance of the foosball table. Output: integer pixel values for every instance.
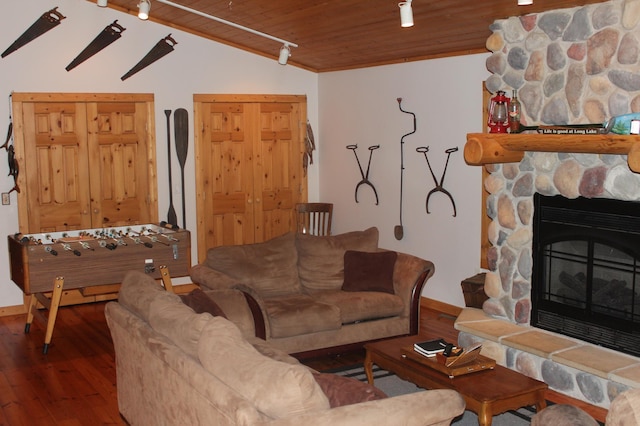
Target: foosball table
(93, 261)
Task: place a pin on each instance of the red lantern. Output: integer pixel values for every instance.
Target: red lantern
(498, 120)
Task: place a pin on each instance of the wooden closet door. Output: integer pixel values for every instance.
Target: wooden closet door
(86, 160)
(55, 166)
(249, 172)
(278, 169)
(119, 167)
(224, 171)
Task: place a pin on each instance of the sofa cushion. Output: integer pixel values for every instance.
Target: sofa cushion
(178, 322)
(321, 259)
(300, 314)
(362, 305)
(200, 302)
(270, 268)
(277, 389)
(364, 271)
(346, 390)
(138, 290)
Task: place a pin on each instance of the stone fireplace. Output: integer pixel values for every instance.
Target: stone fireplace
(570, 66)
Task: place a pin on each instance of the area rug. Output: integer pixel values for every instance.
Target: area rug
(392, 385)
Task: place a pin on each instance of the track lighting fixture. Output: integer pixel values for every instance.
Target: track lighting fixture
(102, 3)
(285, 52)
(143, 9)
(406, 14)
(525, 2)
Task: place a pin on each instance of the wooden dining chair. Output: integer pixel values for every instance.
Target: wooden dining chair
(314, 218)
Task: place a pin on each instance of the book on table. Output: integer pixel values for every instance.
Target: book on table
(430, 348)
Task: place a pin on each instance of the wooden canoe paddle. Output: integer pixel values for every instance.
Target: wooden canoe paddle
(181, 128)
(171, 214)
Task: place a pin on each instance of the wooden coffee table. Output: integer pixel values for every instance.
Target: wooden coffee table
(486, 393)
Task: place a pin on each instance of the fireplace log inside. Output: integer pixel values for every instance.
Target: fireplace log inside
(586, 270)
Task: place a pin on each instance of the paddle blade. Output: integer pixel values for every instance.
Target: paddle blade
(181, 128)
(172, 218)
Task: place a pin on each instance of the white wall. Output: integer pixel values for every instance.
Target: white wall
(360, 107)
(195, 66)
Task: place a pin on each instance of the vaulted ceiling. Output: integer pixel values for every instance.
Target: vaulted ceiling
(340, 34)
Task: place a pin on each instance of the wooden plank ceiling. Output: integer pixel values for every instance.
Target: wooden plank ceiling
(340, 34)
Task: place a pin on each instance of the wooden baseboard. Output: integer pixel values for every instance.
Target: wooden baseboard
(435, 305)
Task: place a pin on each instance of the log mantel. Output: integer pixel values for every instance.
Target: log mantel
(492, 148)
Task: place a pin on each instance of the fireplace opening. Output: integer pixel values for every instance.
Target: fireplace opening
(586, 270)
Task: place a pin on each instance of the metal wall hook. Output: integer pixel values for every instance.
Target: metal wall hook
(365, 176)
(439, 188)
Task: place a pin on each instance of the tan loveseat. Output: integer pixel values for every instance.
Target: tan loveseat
(176, 367)
(297, 285)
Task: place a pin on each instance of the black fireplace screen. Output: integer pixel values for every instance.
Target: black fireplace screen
(586, 279)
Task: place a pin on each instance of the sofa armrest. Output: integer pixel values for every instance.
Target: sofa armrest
(258, 310)
(432, 407)
(409, 277)
(211, 279)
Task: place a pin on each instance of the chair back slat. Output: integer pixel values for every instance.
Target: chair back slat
(314, 218)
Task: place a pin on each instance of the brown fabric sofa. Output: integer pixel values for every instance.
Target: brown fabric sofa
(307, 296)
(176, 367)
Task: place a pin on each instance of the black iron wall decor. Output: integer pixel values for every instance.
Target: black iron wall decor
(11, 155)
(46, 22)
(111, 33)
(365, 176)
(398, 231)
(439, 187)
(162, 48)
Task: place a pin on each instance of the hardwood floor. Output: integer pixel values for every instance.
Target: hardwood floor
(75, 383)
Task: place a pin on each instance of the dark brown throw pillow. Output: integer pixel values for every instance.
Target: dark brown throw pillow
(365, 271)
(346, 390)
(200, 302)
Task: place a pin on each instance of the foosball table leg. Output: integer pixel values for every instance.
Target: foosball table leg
(33, 301)
(166, 278)
(53, 312)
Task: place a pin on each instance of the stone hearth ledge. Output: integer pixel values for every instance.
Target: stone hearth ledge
(569, 366)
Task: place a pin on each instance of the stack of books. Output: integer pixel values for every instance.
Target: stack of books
(431, 347)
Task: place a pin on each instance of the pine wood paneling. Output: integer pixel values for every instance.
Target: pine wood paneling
(337, 34)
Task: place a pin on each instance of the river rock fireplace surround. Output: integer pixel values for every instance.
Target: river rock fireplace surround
(573, 66)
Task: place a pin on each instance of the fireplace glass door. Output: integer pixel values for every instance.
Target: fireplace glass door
(586, 280)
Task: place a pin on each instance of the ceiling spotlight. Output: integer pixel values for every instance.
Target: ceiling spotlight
(406, 14)
(525, 2)
(285, 52)
(143, 9)
(102, 3)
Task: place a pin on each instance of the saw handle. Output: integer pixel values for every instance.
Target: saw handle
(170, 40)
(115, 27)
(53, 14)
